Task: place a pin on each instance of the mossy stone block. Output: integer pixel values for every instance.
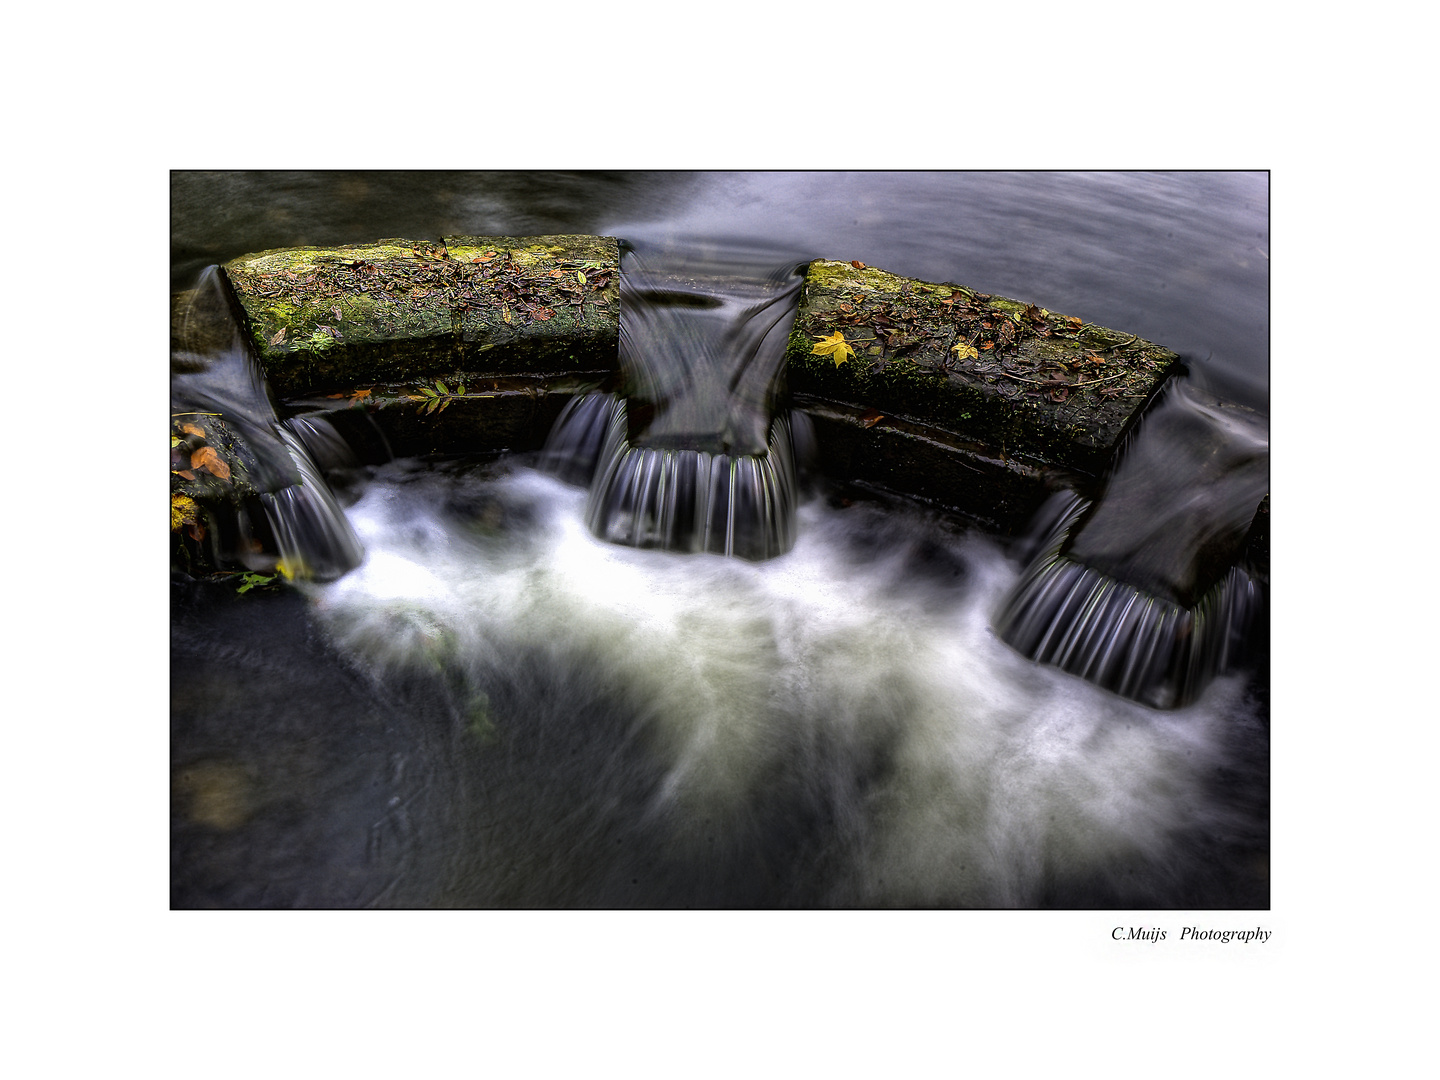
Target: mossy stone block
(395, 310)
(993, 370)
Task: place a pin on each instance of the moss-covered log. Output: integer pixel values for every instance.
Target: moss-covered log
(998, 372)
(398, 310)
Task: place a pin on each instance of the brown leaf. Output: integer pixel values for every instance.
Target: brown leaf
(191, 429)
(279, 337)
(857, 264)
(207, 458)
(196, 531)
(871, 418)
(1075, 322)
(185, 473)
(542, 313)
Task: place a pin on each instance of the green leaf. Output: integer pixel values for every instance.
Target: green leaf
(428, 392)
(251, 580)
(443, 388)
(460, 389)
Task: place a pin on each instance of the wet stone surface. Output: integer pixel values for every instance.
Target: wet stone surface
(400, 309)
(1003, 372)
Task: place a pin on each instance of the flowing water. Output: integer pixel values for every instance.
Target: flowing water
(547, 685)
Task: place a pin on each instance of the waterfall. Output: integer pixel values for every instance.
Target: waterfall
(696, 454)
(1142, 591)
(215, 375)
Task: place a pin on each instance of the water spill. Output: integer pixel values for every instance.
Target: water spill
(273, 468)
(675, 499)
(835, 726)
(1140, 592)
(695, 455)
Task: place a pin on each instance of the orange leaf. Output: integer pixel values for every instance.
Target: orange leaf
(359, 395)
(185, 473)
(871, 418)
(207, 458)
(191, 429)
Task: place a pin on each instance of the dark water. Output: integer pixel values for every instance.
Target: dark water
(497, 708)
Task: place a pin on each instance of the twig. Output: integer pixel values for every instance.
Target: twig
(1058, 383)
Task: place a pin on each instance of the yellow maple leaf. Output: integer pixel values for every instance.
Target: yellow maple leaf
(834, 347)
(966, 350)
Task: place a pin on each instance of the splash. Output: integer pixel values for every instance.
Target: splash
(836, 728)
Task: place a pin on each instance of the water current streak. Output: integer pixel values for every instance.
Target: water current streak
(215, 373)
(676, 500)
(695, 455)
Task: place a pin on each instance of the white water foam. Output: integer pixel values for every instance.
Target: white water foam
(860, 667)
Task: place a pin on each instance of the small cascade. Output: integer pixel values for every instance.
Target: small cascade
(1144, 591)
(695, 455)
(279, 465)
(315, 538)
(741, 505)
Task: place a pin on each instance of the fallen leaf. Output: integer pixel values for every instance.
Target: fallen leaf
(196, 531)
(358, 396)
(279, 337)
(1075, 322)
(207, 458)
(184, 472)
(871, 418)
(966, 351)
(857, 264)
(191, 429)
(1092, 358)
(834, 347)
(182, 511)
(542, 313)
